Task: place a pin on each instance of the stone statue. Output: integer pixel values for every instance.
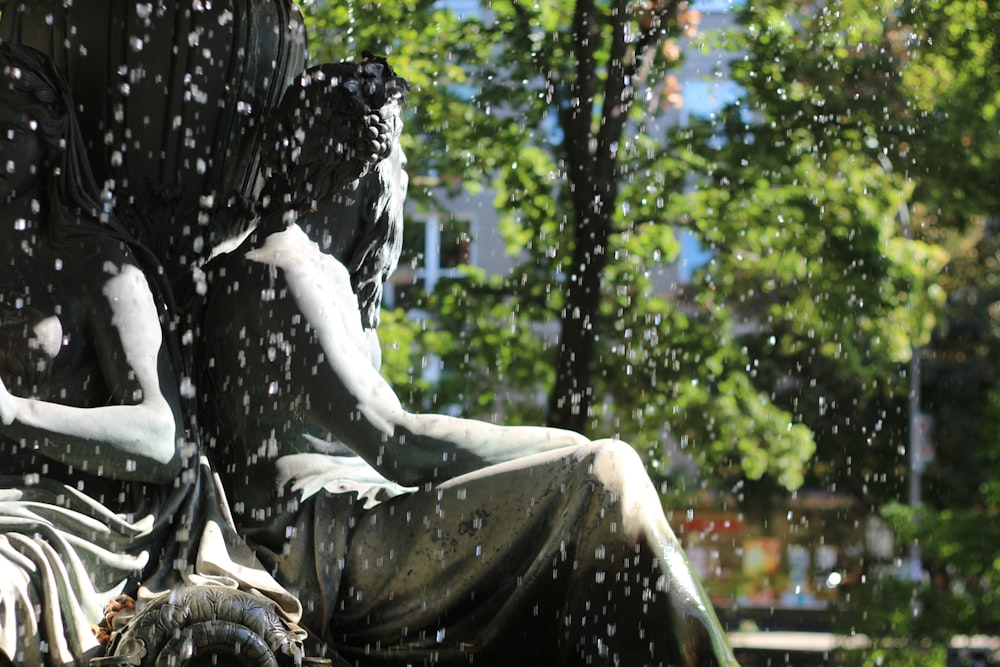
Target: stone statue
(102, 498)
(393, 538)
(412, 538)
(91, 429)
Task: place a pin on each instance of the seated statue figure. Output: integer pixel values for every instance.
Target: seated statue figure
(412, 539)
(90, 458)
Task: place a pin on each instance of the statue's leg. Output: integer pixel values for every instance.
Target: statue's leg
(559, 558)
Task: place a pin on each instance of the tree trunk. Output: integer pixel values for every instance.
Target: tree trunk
(573, 393)
(592, 171)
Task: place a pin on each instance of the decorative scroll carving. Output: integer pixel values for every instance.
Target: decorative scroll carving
(196, 622)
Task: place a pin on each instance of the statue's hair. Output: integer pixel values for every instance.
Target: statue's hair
(30, 83)
(376, 251)
(328, 141)
(335, 123)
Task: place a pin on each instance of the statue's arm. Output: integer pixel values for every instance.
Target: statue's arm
(136, 439)
(363, 411)
(352, 400)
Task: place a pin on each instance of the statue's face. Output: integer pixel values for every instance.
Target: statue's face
(341, 216)
(397, 180)
(398, 164)
(398, 184)
(21, 154)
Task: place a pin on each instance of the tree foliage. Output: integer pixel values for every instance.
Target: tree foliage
(556, 105)
(871, 135)
(846, 199)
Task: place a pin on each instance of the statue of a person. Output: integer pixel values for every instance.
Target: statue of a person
(90, 427)
(512, 543)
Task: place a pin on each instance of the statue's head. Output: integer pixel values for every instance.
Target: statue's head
(44, 148)
(334, 165)
(32, 114)
(333, 125)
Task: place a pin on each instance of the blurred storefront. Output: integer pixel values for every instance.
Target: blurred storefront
(789, 569)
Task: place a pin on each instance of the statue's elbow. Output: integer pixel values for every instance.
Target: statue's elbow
(406, 455)
(163, 448)
(174, 465)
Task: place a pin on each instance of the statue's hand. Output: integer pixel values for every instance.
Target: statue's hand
(8, 405)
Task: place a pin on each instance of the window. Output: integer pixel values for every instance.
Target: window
(717, 6)
(433, 248)
(704, 99)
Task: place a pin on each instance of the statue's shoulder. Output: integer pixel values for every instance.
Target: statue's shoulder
(279, 276)
(96, 254)
(299, 257)
(98, 262)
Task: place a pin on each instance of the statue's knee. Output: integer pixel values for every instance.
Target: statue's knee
(617, 466)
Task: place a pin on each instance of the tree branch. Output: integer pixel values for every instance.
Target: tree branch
(539, 56)
(625, 75)
(575, 116)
